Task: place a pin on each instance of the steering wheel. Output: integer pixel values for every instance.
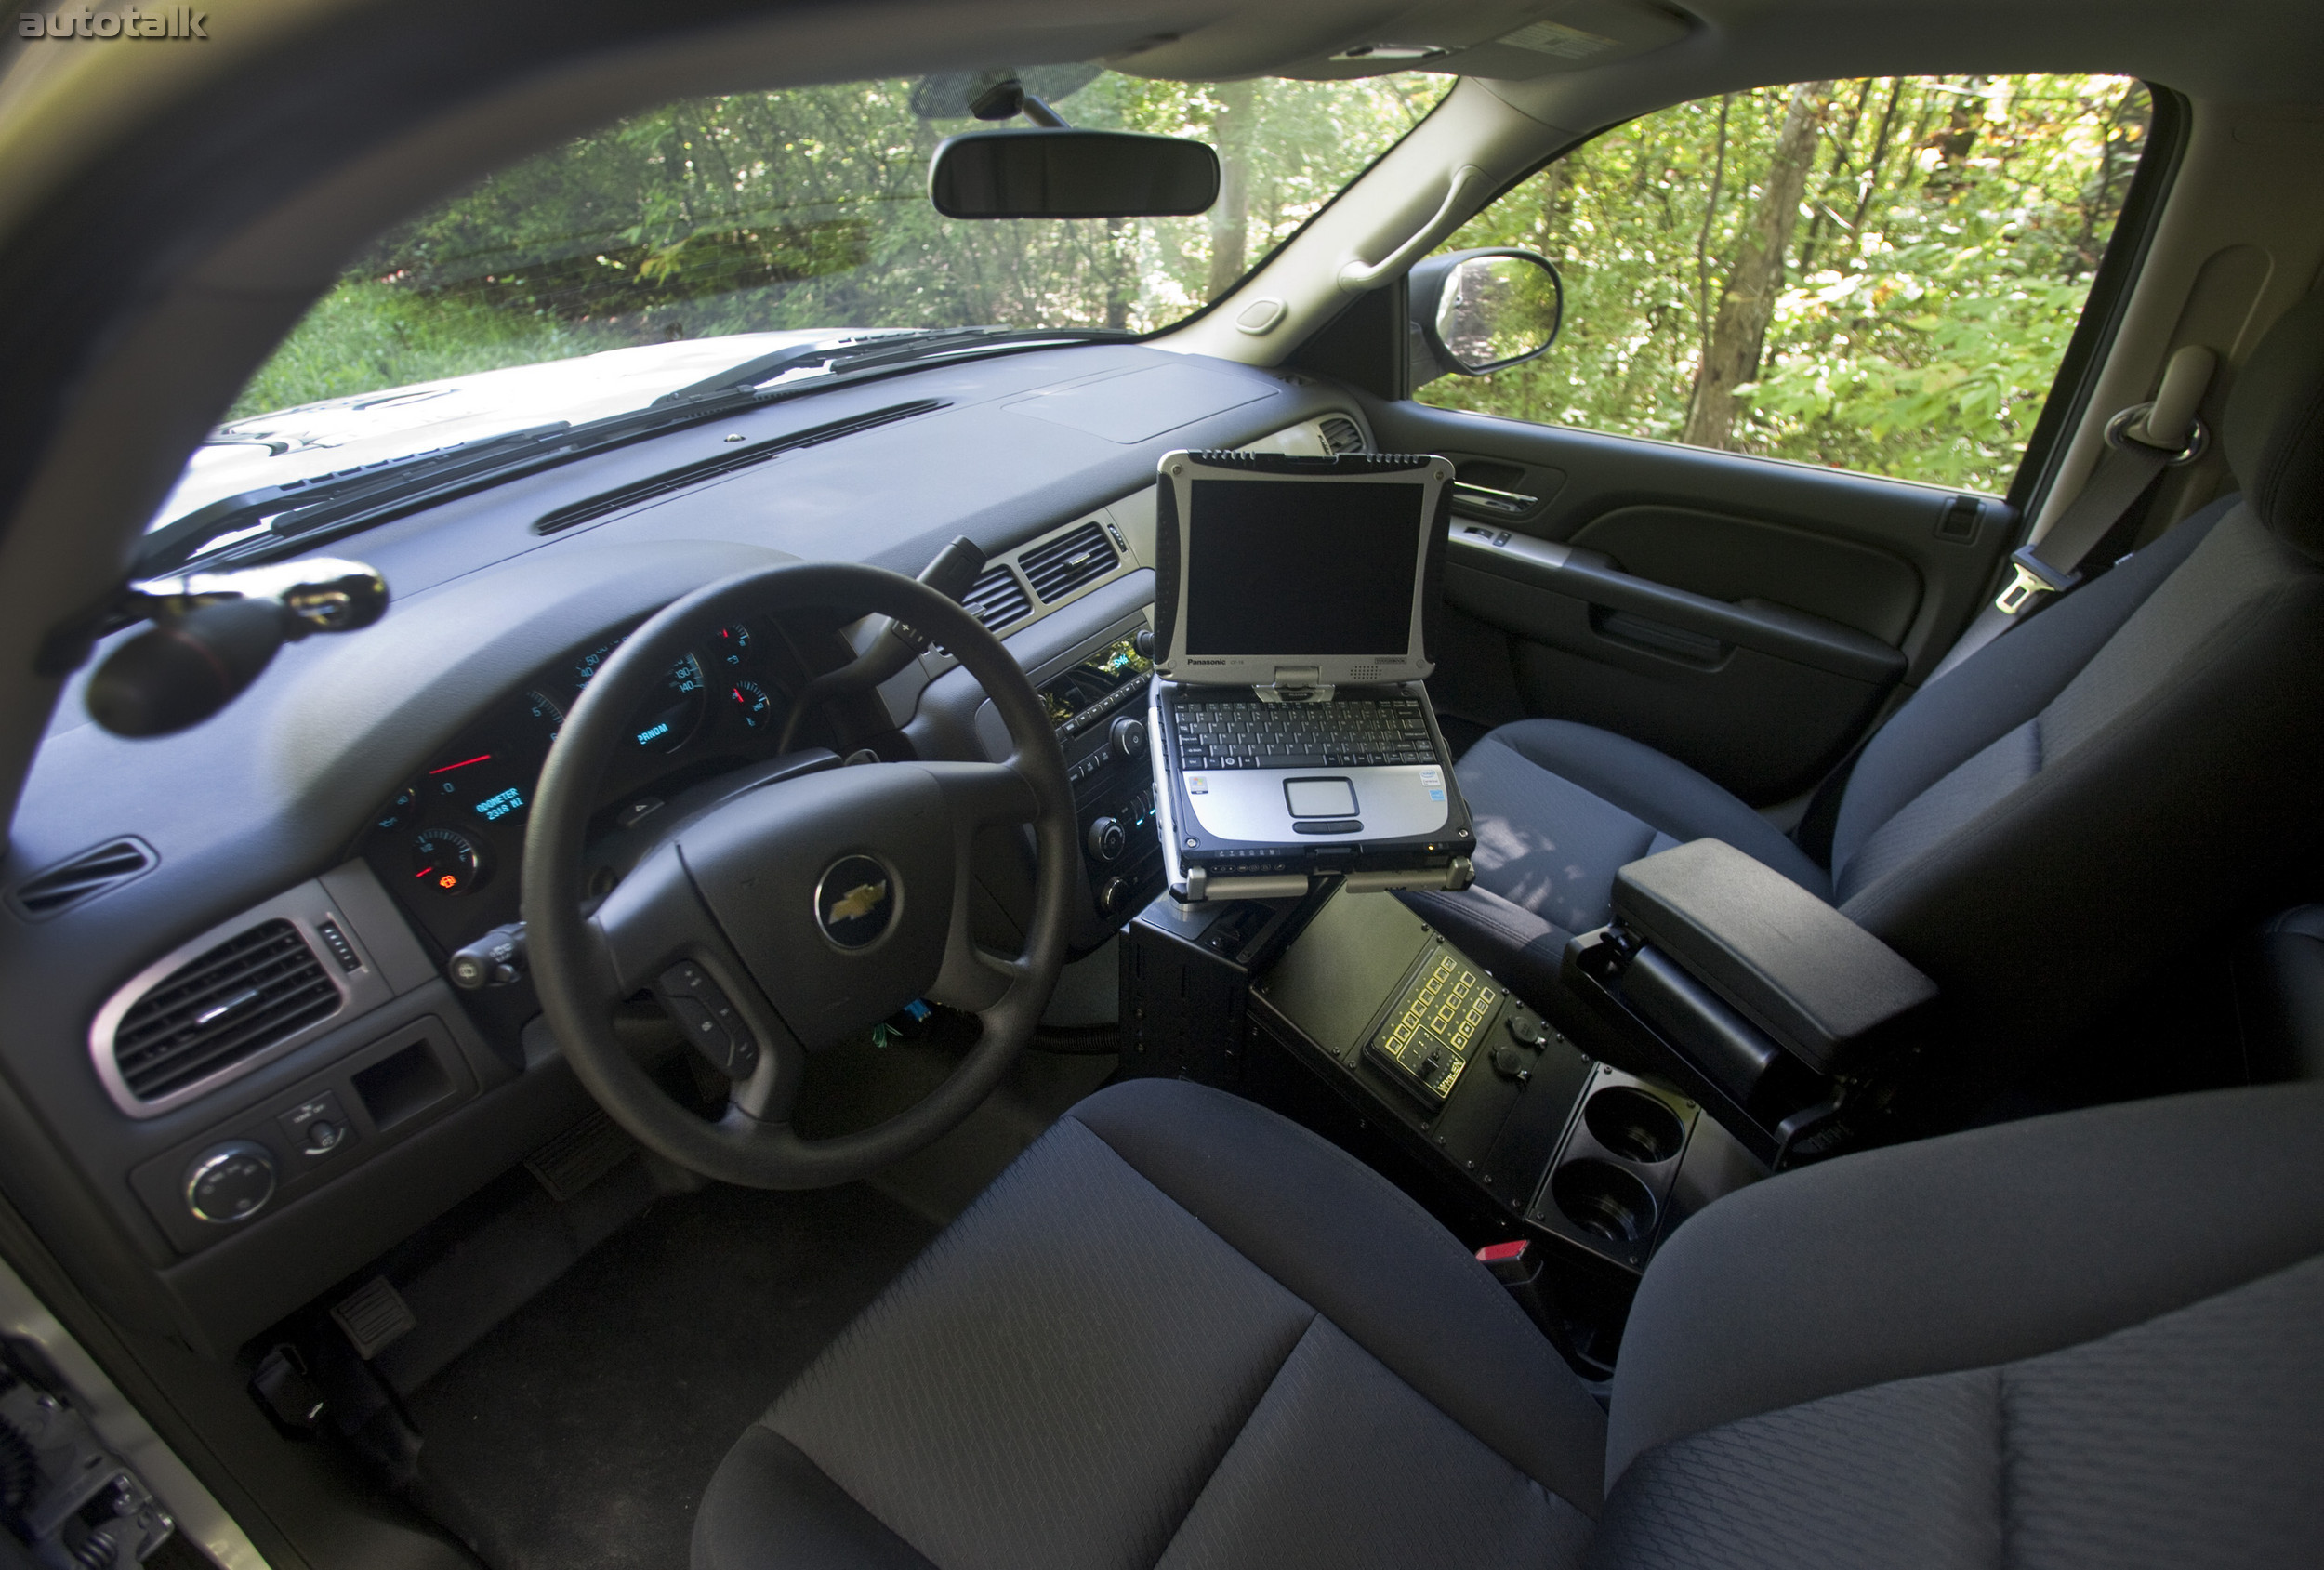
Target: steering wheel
(797, 914)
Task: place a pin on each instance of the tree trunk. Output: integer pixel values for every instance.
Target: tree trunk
(1230, 216)
(1120, 263)
(1553, 186)
(1731, 358)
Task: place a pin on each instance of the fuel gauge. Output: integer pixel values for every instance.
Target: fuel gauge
(729, 645)
(446, 861)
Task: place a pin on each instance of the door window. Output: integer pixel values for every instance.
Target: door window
(1878, 275)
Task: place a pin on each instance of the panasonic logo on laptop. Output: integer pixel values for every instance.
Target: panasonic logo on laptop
(1206, 662)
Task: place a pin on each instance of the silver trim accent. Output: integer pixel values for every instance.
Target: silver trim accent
(124, 1430)
(1483, 540)
(1513, 503)
(211, 1159)
(361, 991)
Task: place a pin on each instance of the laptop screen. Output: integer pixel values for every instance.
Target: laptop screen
(1314, 568)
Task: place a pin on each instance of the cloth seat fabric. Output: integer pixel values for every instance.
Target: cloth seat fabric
(1182, 1331)
(2143, 751)
(1178, 1331)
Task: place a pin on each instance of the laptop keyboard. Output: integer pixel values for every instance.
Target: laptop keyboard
(1248, 733)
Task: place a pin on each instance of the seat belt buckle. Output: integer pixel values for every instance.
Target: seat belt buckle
(2034, 576)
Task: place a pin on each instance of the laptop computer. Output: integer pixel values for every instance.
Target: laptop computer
(1293, 734)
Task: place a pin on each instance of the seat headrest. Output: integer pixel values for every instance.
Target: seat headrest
(2274, 428)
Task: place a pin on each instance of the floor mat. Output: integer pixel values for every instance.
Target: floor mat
(579, 1434)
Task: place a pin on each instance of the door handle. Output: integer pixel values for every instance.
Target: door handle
(1484, 497)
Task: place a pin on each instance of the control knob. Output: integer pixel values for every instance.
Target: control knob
(230, 1182)
(1112, 897)
(1108, 839)
(1129, 736)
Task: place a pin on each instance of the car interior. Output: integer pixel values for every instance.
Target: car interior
(631, 932)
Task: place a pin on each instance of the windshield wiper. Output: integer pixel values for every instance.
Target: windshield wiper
(885, 349)
(298, 514)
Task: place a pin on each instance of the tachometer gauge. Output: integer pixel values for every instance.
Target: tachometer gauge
(543, 716)
(446, 861)
(729, 645)
(751, 702)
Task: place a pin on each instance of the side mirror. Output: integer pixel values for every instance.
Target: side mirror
(1479, 311)
(1069, 173)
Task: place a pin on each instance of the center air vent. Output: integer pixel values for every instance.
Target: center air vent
(223, 1006)
(1065, 563)
(1340, 433)
(997, 599)
(84, 877)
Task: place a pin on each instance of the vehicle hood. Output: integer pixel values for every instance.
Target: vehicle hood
(340, 433)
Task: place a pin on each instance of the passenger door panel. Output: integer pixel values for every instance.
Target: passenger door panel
(1746, 615)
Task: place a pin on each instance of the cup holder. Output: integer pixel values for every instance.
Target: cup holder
(1604, 1200)
(1633, 1125)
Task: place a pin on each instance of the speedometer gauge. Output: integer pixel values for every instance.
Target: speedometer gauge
(668, 719)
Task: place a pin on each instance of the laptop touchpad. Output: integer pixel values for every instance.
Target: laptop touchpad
(1320, 797)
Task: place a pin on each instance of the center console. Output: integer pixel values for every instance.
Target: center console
(1348, 1013)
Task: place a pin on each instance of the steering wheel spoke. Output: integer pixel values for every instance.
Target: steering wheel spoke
(985, 795)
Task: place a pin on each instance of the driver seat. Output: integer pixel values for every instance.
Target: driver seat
(1182, 1331)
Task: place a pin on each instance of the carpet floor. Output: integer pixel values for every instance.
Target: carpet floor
(580, 1433)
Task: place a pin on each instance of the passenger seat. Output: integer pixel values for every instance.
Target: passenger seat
(2056, 818)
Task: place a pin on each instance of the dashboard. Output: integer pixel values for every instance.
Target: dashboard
(449, 840)
(360, 812)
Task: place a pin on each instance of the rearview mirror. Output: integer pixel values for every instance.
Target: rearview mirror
(1069, 173)
(1480, 312)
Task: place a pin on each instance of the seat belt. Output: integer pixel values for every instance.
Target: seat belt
(2141, 441)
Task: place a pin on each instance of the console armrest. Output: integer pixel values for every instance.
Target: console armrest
(1816, 982)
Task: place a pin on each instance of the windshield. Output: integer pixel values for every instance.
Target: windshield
(674, 246)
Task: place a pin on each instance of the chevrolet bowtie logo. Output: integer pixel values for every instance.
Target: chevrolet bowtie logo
(856, 901)
(860, 901)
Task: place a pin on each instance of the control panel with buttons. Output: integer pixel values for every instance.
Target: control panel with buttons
(709, 1018)
(230, 1182)
(318, 1126)
(1435, 1028)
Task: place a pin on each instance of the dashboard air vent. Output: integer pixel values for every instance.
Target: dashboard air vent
(1065, 563)
(84, 876)
(232, 1002)
(997, 600)
(1340, 433)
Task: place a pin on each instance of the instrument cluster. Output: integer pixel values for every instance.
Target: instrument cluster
(449, 841)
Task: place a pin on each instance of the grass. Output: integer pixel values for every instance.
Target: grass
(362, 337)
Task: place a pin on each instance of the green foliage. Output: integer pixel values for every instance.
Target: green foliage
(1934, 271)
(365, 336)
(808, 208)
